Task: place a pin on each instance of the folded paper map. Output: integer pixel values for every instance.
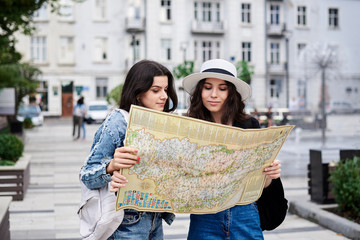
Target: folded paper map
(194, 166)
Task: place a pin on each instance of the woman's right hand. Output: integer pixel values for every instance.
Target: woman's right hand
(124, 157)
(117, 182)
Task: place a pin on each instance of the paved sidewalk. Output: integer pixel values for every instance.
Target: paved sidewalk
(49, 208)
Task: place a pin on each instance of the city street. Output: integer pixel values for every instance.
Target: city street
(50, 205)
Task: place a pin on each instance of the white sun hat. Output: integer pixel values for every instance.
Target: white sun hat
(221, 69)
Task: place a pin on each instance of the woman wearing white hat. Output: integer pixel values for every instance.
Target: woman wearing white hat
(217, 95)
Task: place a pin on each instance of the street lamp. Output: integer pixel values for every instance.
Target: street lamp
(287, 35)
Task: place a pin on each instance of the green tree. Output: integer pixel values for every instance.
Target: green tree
(22, 76)
(16, 16)
(244, 71)
(113, 98)
(184, 69)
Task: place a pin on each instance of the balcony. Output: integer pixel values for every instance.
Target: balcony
(200, 27)
(134, 25)
(276, 68)
(276, 30)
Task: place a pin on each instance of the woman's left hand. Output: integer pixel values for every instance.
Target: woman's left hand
(272, 172)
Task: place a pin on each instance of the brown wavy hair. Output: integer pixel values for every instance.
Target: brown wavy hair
(140, 79)
(234, 105)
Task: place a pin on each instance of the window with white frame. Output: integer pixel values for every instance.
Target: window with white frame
(333, 17)
(38, 49)
(66, 11)
(206, 50)
(301, 16)
(246, 13)
(166, 49)
(217, 49)
(41, 14)
(274, 53)
(206, 11)
(100, 10)
(217, 12)
(165, 10)
(66, 54)
(195, 50)
(246, 51)
(101, 87)
(274, 14)
(100, 49)
(300, 47)
(135, 48)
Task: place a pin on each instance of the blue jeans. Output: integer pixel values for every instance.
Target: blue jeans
(238, 222)
(139, 225)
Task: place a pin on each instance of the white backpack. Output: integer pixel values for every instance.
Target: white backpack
(98, 217)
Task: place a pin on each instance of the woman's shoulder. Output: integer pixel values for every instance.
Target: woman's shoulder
(249, 122)
(115, 118)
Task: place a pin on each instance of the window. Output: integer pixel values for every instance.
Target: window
(100, 49)
(245, 13)
(275, 85)
(300, 47)
(333, 17)
(246, 51)
(274, 14)
(66, 11)
(195, 50)
(166, 49)
(217, 13)
(165, 11)
(66, 54)
(135, 45)
(41, 14)
(206, 51)
(301, 16)
(100, 10)
(206, 12)
(274, 53)
(38, 49)
(101, 87)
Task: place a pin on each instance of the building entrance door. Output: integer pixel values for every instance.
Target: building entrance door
(67, 98)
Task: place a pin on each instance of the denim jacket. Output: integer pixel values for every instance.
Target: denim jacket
(108, 137)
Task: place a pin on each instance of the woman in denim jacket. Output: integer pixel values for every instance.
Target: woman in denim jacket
(147, 84)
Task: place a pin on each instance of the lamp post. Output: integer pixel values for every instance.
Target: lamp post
(287, 70)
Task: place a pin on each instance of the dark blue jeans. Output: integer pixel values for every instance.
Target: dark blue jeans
(238, 222)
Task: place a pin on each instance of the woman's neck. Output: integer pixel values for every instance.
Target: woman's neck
(217, 118)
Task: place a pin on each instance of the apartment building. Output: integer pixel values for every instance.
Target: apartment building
(88, 49)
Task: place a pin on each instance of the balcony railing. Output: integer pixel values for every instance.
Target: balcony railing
(135, 24)
(276, 29)
(276, 68)
(208, 27)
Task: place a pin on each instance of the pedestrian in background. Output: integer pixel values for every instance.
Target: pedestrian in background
(79, 112)
(148, 84)
(217, 95)
(269, 117)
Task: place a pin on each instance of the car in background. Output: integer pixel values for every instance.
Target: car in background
(30, 111)
(337, 107)
(97, 111)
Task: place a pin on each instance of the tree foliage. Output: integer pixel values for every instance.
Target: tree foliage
(113, 98)
(21, 76)
(184, 69)
(17, 16)
(245, 71)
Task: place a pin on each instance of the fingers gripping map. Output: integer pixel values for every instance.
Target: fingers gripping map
(194, 166)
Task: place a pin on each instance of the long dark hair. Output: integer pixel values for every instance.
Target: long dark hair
(140, 79)
(234, 105)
